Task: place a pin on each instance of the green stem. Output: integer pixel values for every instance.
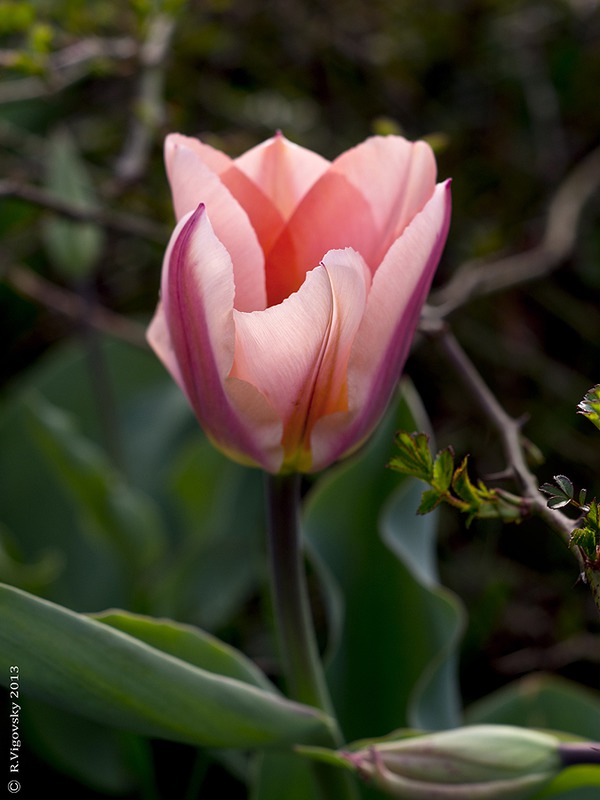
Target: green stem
(299, 653)
(297, 642)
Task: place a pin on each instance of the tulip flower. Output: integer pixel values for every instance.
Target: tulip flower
(291, 290)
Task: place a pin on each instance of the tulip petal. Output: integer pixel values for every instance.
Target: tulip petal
(399, 289)
(262, 212)
(193, 182)
(396, 178)
(193, 333)
(364, 201)
(283, 170)
(296, 353)
(214, 159)
(332, 216)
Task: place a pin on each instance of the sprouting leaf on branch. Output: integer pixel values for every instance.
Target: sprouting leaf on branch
(449, 484)
(590, 405)
(587, 536)
(414, 457)
(562, 493)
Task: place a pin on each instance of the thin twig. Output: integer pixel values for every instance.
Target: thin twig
(34, 287)
(122, 223)
(478, 278)
(148, 112)
(509, 430)
(65, 67)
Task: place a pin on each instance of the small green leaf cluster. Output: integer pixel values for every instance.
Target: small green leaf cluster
(590, 405)
(450, 484)
(587, 535)
(562, 493)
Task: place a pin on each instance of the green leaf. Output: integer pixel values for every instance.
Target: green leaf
(107, 505)
(385, 655)
(31, 575)
(430, 500)
(284, 776)
(188, 644)
(565, 485)
(587, 537)
(110, 677)
(580, 782)
(74, 247)
(413, 456)
(561, 494)
(590, 405)
(463, 486)
(434, 701)
(105, 759)
(542, 701)
(443, 469)
(153, 420)
(219, 563)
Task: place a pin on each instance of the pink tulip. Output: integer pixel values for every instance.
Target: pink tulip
(291, 290)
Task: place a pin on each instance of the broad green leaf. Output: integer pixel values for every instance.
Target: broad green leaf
(112, 678)
(107, 505)
(581, 782)
(542, 701)
(435, 701)
(284, 776)
(32, 576)
(153, 419)
(105, 759)
(395, 628)
(73, 246)
(219, 562)
(189, 644)
(295, 777)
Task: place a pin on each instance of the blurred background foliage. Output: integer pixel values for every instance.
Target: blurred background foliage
(110, 495)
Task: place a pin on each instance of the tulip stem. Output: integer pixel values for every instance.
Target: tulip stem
(295, 630)
(302, 666)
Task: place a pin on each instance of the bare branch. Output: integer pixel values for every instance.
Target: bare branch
(33, 286)
(148, 112)
(121, 223)
(478, 278)
(67, 66)
(509, 430)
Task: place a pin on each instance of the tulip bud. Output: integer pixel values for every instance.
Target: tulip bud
(482, 762)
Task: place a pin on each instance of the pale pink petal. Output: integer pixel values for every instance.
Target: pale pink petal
(197, 311)
(399, 289)
(363, 201)
(333, 215)
(396, 178)
(193, 182)
(283, 170)
(159, 338)
(214, 159)
(264, 216)
(296, 353)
